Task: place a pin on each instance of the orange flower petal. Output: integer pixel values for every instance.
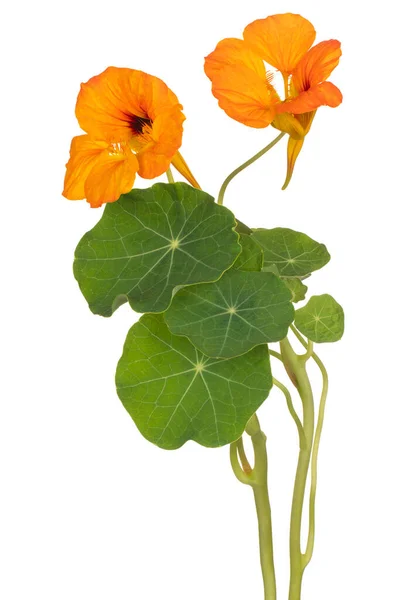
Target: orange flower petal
(317, 65)
(280, 40)
(324, 94)
(112, 176)
(230, 52)
(108, 103)
(84, 154)
(245, 96)
(165, 139)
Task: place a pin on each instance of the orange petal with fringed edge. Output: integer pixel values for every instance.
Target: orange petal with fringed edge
(112, 176)
(118, 103)
(317, 65)
(84, 154)
(181, 166)
(324, 94)
(245, 96)
(230, 52)
(280, 40)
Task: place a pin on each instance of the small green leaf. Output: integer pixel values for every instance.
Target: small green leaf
(295, 254)
(151, 241)
(232, 315)
(321, 319)
(251, 256)
(297, 287)
(175, 394)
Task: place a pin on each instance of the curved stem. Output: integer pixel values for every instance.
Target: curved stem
(289, 402)
(275, 354)
(259, 482)
(314, 461)
(243, 458)
(245, 165)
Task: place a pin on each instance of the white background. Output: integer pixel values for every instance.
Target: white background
(89, 509)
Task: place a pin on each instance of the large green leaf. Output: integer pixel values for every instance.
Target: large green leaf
(228, 317)
(151, 241)
(251, 256)
(294, 254)
(175, 394)
(321, 319)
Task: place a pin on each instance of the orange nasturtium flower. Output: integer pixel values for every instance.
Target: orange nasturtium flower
(245, 90)
(133, 124)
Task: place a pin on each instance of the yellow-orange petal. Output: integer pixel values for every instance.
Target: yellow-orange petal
(317, 65)
(324, 94)
(230, 52)
(280, 40)
(112, 176)
(84, 154)
(108, 103)
(182, 167)
(245, 96)
(293, 151)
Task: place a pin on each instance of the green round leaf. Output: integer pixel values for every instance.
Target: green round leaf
(228, 317)
(175, 394)
(321, 319)
(297, 287)
(251, 256)
(151, 241)
(294, 254)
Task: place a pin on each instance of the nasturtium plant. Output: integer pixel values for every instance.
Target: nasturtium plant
(174, 393)
(216, 294)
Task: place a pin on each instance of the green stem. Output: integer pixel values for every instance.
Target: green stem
(296, 369)
(170, 177)
(245, 165)
(289, 402)
(314, 457)
(258, 480)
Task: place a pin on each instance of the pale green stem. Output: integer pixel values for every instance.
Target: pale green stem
(275, 354)
(296, 369)
(289, 402)
(245, 165)
(257, 479)
(243, 458)
(170, 177)
(314, 457)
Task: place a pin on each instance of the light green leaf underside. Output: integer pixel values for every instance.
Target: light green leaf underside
(174, 393)
(297, 288)
(232, 315)
(251, 256)
(151, 241)
(321, 319)
(294, 254)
